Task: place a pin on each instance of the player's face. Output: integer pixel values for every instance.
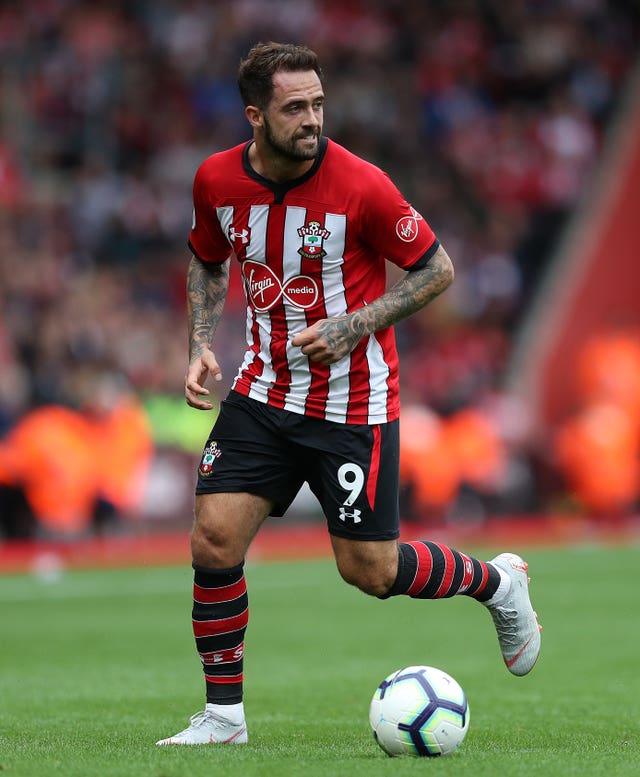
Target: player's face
(293, 120)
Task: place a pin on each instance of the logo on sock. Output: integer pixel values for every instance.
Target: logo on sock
(229, 656)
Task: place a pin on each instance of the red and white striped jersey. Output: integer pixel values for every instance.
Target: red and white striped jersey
(312, 248)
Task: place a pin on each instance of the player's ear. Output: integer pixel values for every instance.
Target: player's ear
(254, 116)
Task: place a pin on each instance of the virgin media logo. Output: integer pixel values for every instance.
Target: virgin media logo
(264, 288)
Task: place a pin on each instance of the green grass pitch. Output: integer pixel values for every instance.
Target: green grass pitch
(98, 665)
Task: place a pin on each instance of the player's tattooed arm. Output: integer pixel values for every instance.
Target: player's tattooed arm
(207, 286)
(330, 339)
(413, 292)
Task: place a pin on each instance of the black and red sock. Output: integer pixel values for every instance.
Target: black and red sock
(430, 570)
(220, 616)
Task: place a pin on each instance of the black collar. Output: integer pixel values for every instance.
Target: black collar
(280, 189)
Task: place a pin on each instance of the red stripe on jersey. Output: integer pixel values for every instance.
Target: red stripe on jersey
(224, 679)
(278, 345)
(255, 368)
(224, 594)
(449, 569)
(221, 625)
(374, 467)
(425, 566)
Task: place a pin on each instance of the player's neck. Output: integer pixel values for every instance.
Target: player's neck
(276, 168)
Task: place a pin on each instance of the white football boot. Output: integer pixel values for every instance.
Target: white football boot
(209, 727)
(513, 615)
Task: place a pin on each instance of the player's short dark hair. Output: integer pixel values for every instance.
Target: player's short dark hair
(255, 74)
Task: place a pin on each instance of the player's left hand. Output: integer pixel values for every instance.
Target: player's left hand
(327, 341)
(199, 370)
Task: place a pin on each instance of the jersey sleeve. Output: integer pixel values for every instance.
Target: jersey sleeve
(392, 227)
(206, 239)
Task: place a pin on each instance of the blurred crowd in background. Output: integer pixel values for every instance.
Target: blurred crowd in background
(490, 116)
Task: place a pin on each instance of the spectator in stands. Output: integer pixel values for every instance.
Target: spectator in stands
(598, 446)
(65, 472)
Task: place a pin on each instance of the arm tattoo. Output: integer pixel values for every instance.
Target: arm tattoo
(207, 286)
(409, 295)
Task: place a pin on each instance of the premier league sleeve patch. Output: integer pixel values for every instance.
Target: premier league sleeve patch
(211, 453)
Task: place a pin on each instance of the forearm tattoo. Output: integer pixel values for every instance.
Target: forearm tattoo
(409, 295)
(207, 286)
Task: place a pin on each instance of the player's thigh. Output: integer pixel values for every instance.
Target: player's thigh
(247, 453)
(224, 527)
(354, 474)
(369, 565)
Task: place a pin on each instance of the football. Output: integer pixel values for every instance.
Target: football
(419, 711)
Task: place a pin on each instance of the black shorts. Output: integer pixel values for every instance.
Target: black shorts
(352, 469)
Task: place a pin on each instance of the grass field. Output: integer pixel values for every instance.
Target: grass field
(98, 665)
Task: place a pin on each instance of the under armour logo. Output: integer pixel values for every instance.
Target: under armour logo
(355, 515)
(243, 236)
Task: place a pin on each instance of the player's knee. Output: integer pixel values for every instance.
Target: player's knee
(211, 548)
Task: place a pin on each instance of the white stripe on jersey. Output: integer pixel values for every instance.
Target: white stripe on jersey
(258, 220)
(225, 217)
(336, 305)
(378, 374)
(298, 363)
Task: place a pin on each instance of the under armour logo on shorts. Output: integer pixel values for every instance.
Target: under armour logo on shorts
(354, 515)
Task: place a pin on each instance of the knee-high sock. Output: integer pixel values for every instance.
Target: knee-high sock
(430, 570)
(220, 616)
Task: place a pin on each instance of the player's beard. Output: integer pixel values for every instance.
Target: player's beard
(287, 148)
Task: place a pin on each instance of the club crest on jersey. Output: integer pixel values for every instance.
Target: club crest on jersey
(313, 236)
(211, 453)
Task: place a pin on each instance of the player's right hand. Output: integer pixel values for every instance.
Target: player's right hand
(197, 373)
